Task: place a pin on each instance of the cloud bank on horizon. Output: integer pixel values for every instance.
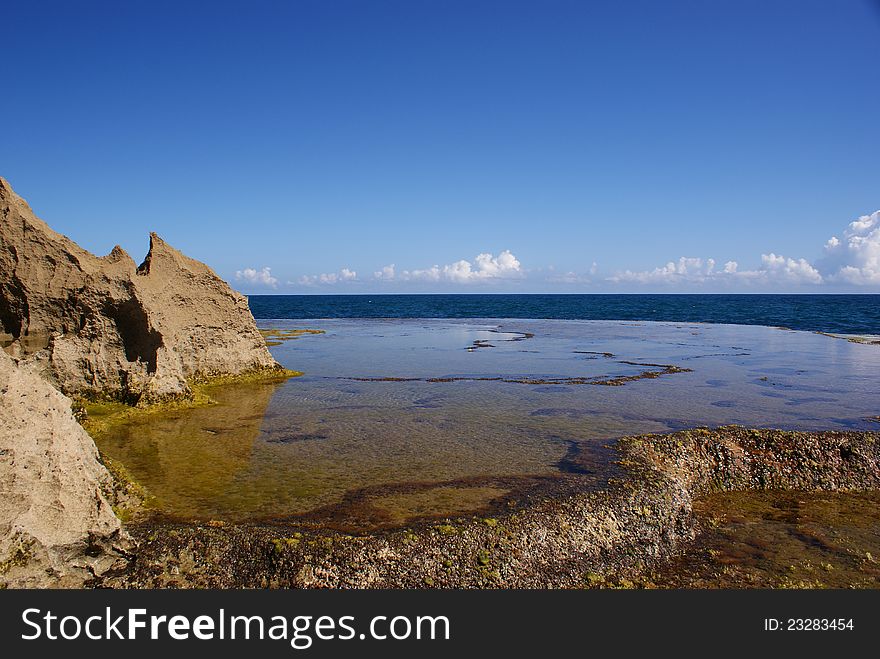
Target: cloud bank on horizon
(854, 261)
(851, 261)
(259, 278)
(344, 275)
(485, 267)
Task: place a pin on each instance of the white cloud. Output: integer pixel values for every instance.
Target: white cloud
(343, 276)
(488, 266)
(572, 277)
(853, 260)
(256, 277)
(484, 268)
(856, 258)
(460, 271)
(385, 274)
(505, 266)
(429, 274)
(692, 270)
(686, 269)
(780, 269)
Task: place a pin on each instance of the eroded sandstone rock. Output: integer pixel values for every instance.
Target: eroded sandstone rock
(57, 527)
(102, 325)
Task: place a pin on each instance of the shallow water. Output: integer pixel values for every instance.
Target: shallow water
(400, 419)
(782, 540)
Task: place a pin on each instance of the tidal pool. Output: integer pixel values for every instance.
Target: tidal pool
(402, 419)
(787, 539)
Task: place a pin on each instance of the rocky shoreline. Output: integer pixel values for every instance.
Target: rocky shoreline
(568, 540)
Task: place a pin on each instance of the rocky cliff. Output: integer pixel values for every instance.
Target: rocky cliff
(105, 326)
(57, 527)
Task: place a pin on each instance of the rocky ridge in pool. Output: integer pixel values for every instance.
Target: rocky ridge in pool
(565, 539)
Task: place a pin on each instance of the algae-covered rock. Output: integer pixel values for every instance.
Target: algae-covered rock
(57, 527)
(103, 325)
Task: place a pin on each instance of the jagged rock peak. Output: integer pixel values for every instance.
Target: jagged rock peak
(101, 325)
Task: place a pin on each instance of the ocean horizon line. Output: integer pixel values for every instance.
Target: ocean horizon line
(608, 294)
(855, 313)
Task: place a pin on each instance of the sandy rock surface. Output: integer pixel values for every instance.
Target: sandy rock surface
(99, 325)
(57, 527)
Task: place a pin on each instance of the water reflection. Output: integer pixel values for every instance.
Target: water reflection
(193, 461)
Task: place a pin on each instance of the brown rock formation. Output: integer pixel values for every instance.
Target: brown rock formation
(102, 325)
(57, 527)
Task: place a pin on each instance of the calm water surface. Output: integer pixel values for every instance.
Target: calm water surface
(400, 419)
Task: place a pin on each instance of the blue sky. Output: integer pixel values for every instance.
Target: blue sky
(306, 146)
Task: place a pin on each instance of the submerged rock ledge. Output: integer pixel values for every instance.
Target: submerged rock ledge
(563, 541)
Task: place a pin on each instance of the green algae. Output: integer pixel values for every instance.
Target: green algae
(780, 539)
(18, 557)
(606, 381)
(275, 337)
(185, 455)
(281, 544)
(866, 339)
(401, 507)
(126, 495)
(100, 416)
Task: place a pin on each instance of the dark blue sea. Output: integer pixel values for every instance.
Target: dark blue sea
(847, 314)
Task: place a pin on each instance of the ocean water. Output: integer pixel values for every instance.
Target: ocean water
(400, 419)
(850, 314)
